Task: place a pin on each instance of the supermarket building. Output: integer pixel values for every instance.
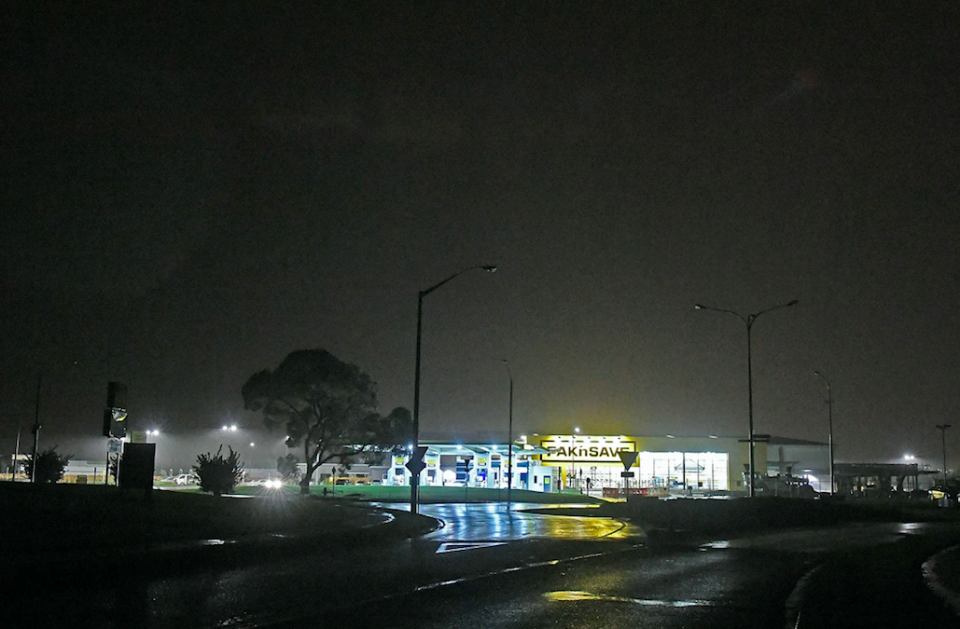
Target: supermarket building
(592, 462)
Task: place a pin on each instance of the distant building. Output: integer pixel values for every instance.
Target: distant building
(670, 463)
(880, 479)
(789, 459)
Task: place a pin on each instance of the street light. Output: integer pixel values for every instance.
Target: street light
(748, 321)
(509, 438)
(943, 441)
(415, 478)
(830, 422)
(36, 432)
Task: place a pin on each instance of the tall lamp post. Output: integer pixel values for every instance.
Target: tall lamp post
(509, 438)
(415, 478)
(830, 424)
(748, 321)
(36, 432)
(943, 442)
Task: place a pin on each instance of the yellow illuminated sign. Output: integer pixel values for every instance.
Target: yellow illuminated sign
(582, 448)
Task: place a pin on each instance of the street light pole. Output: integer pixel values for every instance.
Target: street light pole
(509, 438)
(16, 456)
(415, 478)
(748, 321)
(943, 441)
(830, 424)
(36, 432)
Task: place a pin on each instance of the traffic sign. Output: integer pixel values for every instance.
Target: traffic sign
(626, 474)
(628, 459)
(416, 464)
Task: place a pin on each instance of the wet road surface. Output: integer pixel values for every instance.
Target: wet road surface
(495, 522)
(487, 567)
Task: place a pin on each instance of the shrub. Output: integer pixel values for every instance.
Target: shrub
(50, 465)
(217, 474)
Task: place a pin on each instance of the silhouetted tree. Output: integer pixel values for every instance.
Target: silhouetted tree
(50, 465)
(328, 407)
(287, 467)
(217, 474)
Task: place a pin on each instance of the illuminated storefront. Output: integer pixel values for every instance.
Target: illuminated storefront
(673, 463)
(589, 463)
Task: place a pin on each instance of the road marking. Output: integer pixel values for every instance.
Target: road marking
(589, 596)
(452, 547)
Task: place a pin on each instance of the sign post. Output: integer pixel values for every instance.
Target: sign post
(628, 459)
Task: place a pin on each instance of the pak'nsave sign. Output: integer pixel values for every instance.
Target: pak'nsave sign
(586, 449)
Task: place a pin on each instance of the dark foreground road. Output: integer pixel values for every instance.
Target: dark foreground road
(489, 568)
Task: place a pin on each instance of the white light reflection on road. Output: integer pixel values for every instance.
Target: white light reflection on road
(492, 521)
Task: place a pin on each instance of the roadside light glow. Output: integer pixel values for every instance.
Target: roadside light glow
(273, 484)
(224, 428)
(252, 444)
(908, 457)
(233, 428)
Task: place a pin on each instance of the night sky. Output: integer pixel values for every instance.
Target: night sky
(190, 191)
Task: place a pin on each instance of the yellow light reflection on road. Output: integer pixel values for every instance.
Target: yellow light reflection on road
(574, 595)
(564, 527)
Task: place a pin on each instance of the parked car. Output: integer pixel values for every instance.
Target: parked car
(351, 480)
(187, 479)
(944, 497)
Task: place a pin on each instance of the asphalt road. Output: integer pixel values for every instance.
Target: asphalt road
(491, 568)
